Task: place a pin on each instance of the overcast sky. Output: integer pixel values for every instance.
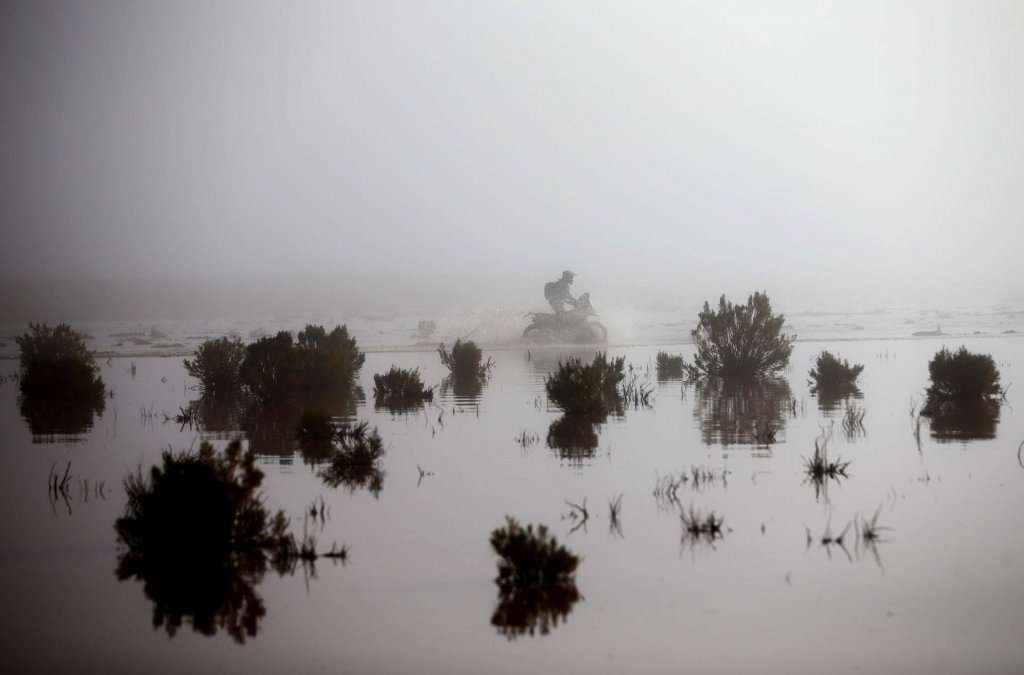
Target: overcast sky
(719, 144)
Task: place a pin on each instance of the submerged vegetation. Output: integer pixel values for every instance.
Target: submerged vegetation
(400, 389)
(56, 365)
(964, 398)
(961, 377)
(465, 360)
(669, 366)
(530, 557)
(216, 365)
(740, 340)
(275, 368)
(536, 580)
(831, 373)
(61, 389)
(586, 389)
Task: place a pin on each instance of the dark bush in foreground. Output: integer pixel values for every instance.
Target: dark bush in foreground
(198, 505)
(465, 360)
(669, 366)
(216, 365)
(961, 377)
(56, 365)
(740, 340)
(196, 532)
(531, 557)
(586, 389)
(830, 372)
(400, 389)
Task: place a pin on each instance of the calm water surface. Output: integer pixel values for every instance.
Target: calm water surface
(942, 593)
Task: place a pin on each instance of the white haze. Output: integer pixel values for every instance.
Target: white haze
(851, 151)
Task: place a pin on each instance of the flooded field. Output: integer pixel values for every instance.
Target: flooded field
(910, 562)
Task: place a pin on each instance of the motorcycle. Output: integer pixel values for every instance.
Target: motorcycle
(576, 325)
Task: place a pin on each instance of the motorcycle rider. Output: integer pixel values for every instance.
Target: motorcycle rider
(557, 293)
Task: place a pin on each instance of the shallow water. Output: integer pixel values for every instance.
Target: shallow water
(941, 593)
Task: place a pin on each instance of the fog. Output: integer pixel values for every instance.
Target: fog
(853, 152)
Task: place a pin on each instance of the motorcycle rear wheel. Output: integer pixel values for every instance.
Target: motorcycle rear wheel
(532, 331)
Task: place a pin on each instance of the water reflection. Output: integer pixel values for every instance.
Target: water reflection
(834, 397)
(574, 437)
(213, 594)
(965, 421)
(270, 429)
(464, 389)
(742, 411)
(527, 611)
(49, 418)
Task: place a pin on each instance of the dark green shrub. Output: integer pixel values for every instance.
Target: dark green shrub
(57, 366)
(740, 340)
(198, 504)
(531, 557)
(196, 532)
(586, 389)
(400, 389)
(270, 370)
(328, 360)
(464, 360)
(216, 365)
(277, 368)
(830, 372)
(669, 366)
(961, 377)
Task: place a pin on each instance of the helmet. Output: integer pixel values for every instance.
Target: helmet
(568, 274)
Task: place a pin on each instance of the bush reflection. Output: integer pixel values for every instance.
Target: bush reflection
(742, 411)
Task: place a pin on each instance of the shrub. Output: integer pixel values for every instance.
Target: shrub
(276, 368)
(531, 557)
(464, 360)
(196, 532)
(962, 377)
(328, 359)
(586, 389)
(198, 505)
(669, 366)
(740, 340)
(216, 365)
(57, 366)
(830, 372)
(400, 389)
(270, 370)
